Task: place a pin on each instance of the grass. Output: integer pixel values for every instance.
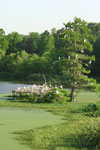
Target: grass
(65, 136)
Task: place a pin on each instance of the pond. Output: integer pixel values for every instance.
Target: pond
(19, 119)
(7, 87)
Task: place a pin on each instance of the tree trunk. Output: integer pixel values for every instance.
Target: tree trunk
(72, 95)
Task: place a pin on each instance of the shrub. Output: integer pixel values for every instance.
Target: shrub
(56, 95)
(91, 107)
(92, 110)
(28, 98)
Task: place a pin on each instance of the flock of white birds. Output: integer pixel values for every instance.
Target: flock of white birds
(34, 89)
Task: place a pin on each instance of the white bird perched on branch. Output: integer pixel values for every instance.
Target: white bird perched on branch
(76, 56)
(90, 62)
(59, 58)
(82, 51)
(68, 57)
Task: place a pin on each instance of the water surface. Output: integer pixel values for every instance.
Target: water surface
(19, 119)
(7, 87)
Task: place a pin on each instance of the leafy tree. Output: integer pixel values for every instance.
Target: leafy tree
(53, 31)
(3, 43)
(75, 43)
(3, 40)
(45, 43)
(96, 65)
(30, 42)
(95, 28)
(32, 65)
(21, 58)
(8, 63)
(2, 53)
(14, 40)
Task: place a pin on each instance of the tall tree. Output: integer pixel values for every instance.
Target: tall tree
(75, 43)
(30, 42)
(3, 40)
(96, 65)
(95, 28)
(14, 40)
(44, 43)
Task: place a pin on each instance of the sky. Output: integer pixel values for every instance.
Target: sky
(25, 16)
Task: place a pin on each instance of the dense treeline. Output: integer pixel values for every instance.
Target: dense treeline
(30, 56)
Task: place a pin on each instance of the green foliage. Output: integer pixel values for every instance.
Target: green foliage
(71, 46)
(3, 41)
(96, 52)
(76, 43)
(35, 77)
(46, 43)
(57, 95)
(30, 42)
(95, 28)
(28, 98)
(91, 107)
(7, 76)
(92, 110)
(75, 38)
(14, 40)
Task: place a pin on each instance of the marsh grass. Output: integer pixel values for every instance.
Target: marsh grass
(65, 136)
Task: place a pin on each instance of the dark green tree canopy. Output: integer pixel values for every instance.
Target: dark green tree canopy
(31, 42)
(14, 40)
(95, 28)
(3, 40)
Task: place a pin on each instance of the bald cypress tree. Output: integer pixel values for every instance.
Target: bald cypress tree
(76, 37)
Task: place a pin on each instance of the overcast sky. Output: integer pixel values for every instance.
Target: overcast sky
(24, 16)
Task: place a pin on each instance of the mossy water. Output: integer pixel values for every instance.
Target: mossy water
(20, 119)
(64, 136)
